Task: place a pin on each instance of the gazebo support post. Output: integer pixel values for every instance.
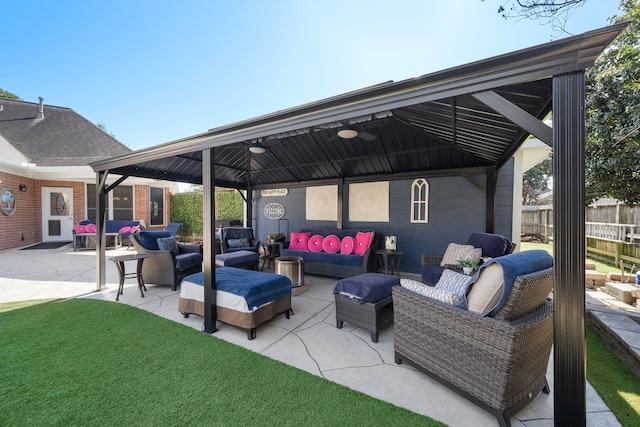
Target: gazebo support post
(208, 239)
(101, 209)
(569, 250)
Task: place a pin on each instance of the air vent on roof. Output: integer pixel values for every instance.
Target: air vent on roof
(41, 108)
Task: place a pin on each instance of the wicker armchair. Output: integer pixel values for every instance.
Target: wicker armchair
(231, 236)
(164, 267)
(497, 362)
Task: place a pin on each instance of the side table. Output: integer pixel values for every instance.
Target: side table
(119, 262)
(390, 260)
(272, 250)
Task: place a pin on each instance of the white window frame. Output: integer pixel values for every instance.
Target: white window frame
(417, 202)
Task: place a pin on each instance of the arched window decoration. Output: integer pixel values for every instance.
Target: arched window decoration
(420, 200)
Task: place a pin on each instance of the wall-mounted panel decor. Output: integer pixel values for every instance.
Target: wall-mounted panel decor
(369, 202)
(322, 203)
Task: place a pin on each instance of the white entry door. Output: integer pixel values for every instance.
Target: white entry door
(57, 218)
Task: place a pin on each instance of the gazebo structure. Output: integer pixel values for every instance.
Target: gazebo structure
(464, 120)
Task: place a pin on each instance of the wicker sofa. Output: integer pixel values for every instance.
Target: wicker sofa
(337, 264)
(497, 361)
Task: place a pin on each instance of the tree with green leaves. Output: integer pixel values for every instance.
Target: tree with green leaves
(613, 115)
(535, 181)
(5, 94)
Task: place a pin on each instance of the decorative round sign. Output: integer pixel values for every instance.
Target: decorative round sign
(274, 211)
(7, 201)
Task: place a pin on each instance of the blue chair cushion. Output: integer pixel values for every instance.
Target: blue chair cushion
(149, 239)
(493, 245)
(187, 260)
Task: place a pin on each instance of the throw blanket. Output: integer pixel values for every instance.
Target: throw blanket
(514, 265)
(257, 288)
(369, 287)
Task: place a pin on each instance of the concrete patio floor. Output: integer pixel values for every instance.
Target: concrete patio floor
(309, 340)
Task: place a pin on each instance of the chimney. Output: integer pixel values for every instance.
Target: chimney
(41, 108)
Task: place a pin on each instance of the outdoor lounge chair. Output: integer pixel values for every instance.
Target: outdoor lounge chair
(497, 361)
(169, 262)
(234, 239)
(173, 227)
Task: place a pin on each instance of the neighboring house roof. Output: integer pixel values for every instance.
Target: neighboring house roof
(62, 138)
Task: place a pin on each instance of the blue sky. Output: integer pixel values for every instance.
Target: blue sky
(157, 71)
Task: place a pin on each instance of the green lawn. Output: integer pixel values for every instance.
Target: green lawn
(600, 266)
(79, 362)
(618, 386)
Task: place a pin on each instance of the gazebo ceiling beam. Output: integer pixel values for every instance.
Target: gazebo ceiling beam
(517, 115)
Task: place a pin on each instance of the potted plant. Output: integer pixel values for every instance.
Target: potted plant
(467, 264)
(276, 237)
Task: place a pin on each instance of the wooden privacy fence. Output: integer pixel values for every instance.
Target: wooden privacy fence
(608, 242)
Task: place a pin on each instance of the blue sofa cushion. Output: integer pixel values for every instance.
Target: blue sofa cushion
(114, 226)
(149, 239)
(431, 273)
(326, 257)
(187, 260)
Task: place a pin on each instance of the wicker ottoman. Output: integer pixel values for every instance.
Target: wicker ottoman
(365, 301)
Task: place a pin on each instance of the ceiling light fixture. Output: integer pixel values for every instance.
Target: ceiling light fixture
(347, 133)
(257, 149)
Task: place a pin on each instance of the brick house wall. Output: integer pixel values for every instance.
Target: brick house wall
(24, 227)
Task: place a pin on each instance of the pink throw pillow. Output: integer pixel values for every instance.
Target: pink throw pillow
(348, 245)
(80, 229)
(300, 241)
(91, 228)
(315, 243)
(363, 240)
(125, 229)
(133, 229)
(331, 244)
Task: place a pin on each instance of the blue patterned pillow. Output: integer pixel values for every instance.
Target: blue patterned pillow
(238, 243)
(168, 244)
(431, 292)
(453, 281)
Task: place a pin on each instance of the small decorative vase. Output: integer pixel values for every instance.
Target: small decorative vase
(467, 270)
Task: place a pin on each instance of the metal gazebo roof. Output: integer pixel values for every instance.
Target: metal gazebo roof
(468, 117)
